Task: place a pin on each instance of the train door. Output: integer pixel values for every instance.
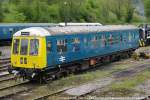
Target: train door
(24, 51)
(50, 51)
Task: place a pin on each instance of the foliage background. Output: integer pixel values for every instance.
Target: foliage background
(103, 11)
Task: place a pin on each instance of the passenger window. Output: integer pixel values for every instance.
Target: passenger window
(61, 46)
(16, 46)
(110, 39)
(94, 41)
(85, 40)
(34, 47)
(130, 37)
(117, 39)
(103, 41)
(121, 38)
(49, 47)
(76, 44)
(24, 47)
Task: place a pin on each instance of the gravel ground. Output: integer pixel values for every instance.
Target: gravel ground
(144, 87)
(106, 81)
(90, 87)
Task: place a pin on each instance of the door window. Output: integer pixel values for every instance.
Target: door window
(49, 47)
(24, 47)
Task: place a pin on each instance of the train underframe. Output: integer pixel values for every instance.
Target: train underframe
(63, 70)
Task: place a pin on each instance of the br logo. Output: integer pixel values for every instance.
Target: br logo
(62, 58)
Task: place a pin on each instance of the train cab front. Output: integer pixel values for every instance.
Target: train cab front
(27, 55)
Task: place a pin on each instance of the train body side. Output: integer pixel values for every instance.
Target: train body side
(89, 45)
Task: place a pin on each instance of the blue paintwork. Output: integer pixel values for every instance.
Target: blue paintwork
(7, 30)
(87, 50)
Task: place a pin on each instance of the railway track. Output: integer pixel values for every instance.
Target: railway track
(61, 91)
(4, 68)
(23, 87)
(115, 76)
(13, 89)
(52, 94)
(4, 64)
(6, 60)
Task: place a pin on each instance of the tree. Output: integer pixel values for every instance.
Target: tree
(129, 11)
(147, 8)
(1, 12)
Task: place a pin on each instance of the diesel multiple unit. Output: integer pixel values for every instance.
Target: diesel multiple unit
(46, 52)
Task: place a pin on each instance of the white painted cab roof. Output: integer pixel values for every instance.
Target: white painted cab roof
(33, 31)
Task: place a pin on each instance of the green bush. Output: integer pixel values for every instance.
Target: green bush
(103, 11)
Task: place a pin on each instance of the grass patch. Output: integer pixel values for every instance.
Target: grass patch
(74, 80)
(124, 92)
(126, 85)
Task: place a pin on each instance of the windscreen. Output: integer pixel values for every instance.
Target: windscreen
(24, 47)
(16, 46)
(34, 47)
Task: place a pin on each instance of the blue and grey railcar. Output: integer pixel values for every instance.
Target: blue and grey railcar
(37, 51)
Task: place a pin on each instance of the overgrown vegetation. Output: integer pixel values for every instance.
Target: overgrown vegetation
(126, 86)
(103, 11)
(74, 80)
(147, 9)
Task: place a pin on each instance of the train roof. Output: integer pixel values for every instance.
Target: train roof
(57, 30)
(26, 24)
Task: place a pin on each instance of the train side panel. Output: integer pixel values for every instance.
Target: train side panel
(80, 46)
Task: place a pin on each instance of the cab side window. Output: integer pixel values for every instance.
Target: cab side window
(24, 47)
(62, 46)
(16, 46)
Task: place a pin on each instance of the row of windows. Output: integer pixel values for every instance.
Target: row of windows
(96, 42)
(34, 46)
